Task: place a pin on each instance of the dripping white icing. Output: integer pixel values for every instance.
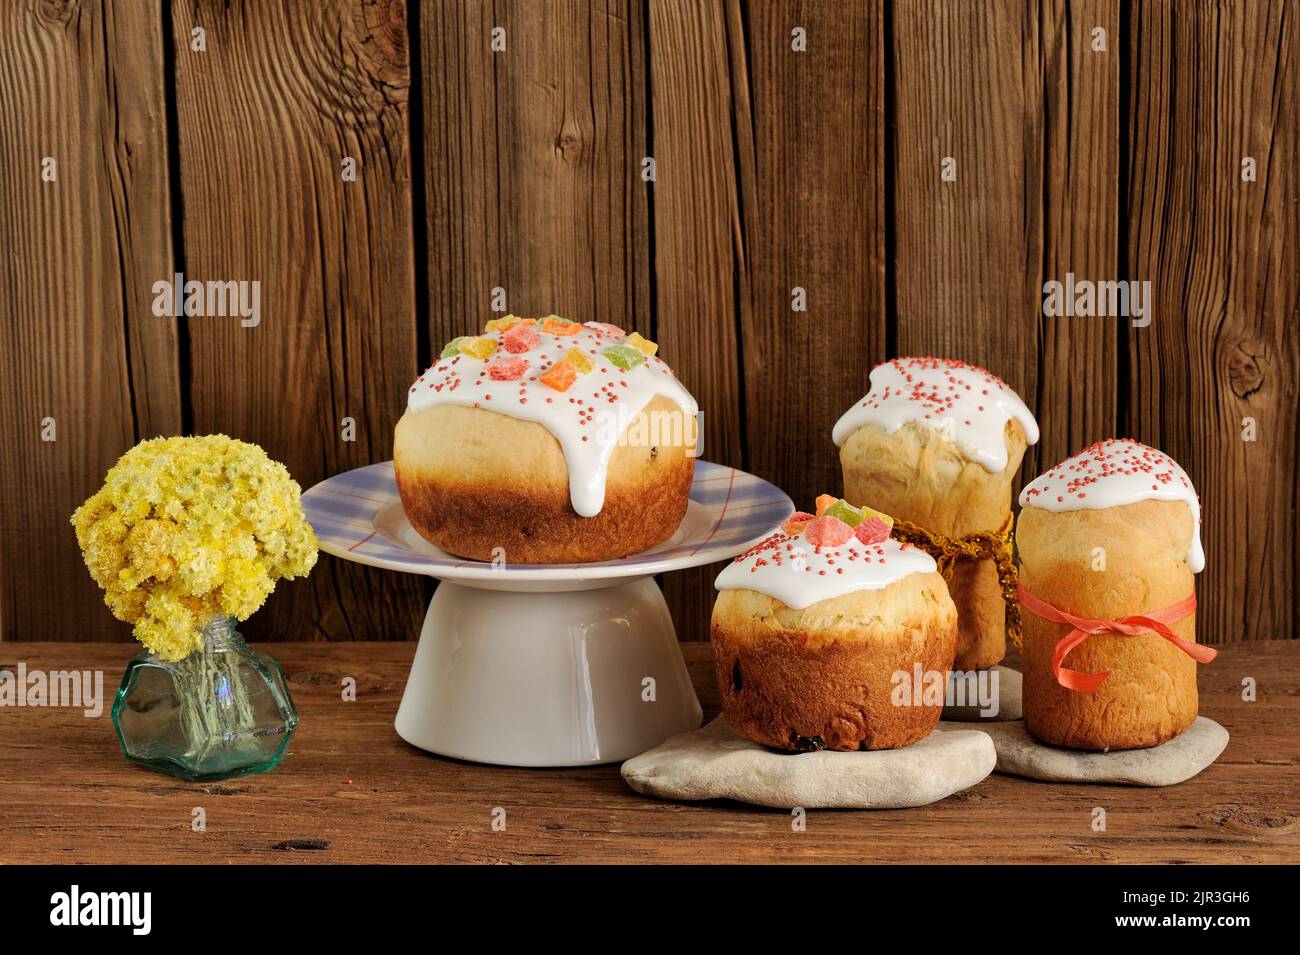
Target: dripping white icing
(967, 404)
(1116, 472)
(587, 419)
(799, 575)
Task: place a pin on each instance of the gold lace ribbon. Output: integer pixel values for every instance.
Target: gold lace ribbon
(997, 546)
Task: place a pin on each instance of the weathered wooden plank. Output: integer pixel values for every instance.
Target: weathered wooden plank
(350, 787)
(81, 84)
(1076, 395)
(697, 92)
(1213, 85)
(814, 221)
(532, 154)
(267, 115)
(968, 251)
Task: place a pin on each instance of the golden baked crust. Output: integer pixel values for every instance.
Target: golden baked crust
(473, 480)
(822, 677)
(1150, 696)
(917, 475)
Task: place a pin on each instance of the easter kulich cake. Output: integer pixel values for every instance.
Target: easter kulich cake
(546, 441)
(1111, 534)
(815, 628)
(936, 443)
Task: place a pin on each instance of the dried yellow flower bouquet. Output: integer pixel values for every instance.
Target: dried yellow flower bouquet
(186, 536)
(189, 530)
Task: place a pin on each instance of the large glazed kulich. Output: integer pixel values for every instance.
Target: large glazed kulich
(937, 443)
(826, 674)
(1105, 535)
(546, 442)
(472, 480)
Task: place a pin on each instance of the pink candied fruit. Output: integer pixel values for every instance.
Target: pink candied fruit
(872, 531)
(507, 369)
(827, 531)
(795, 523)
(521, 338)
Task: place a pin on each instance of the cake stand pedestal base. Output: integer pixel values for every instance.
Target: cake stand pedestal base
(562, 678)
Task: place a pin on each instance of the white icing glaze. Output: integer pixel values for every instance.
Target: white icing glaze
(791, 570)
(1114, 472)
(969, 405)
(587, 419)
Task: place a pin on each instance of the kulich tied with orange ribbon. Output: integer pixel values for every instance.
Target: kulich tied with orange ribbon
(1109, 544)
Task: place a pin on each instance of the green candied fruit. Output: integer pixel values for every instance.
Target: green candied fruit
(453, 347)
(625, 356)
(562, 321)
(846, 512)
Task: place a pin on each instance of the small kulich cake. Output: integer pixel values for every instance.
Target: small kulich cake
(831, 635)
(546, 441)
(936, 443)
(1110, 534)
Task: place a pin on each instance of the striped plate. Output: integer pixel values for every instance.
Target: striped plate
(358, 516)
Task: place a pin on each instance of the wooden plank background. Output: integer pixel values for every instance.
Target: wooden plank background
(775, 170)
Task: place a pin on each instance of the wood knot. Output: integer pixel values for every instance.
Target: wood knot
(1251, 820)
(568, 145)
(299, 845)
(57, 11)
(1245, 376)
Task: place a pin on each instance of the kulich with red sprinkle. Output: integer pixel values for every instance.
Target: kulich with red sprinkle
(965, 403)
(1115, 472)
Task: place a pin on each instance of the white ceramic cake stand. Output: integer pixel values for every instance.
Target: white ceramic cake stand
(544, 664)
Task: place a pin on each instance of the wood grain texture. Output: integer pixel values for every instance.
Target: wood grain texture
(81, 84)
(1076, 394)
(350, 790)
(968, 252)
(815, 221)
(698, 91)
(775, 169)
(532, 160)
(266, 117)
(1211, 85)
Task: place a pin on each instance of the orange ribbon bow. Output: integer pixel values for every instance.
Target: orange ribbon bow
(1157, 621)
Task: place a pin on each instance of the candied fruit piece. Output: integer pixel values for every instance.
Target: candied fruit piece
(846, 512)
(559, 326)
(827, 531)
(795, 523)
(872, 531)
(503, 323)
(624, 357)
(824, 501)
(643, 345)
(507, 369)
(581, 363)
(559, 376)
(478, 347)
(521, 338)
(453, 347)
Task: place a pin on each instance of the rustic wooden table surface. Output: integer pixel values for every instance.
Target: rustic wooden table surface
(351, 791)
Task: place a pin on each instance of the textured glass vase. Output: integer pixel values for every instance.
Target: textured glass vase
(222, 711)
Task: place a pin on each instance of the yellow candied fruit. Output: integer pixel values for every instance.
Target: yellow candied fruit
(580, 362)
(645, 346)
(501, 324)
(478, 347)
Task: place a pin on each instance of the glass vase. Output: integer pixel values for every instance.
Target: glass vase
(222, 711)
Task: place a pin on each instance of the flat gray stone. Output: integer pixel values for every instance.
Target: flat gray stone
(971, 696)
(716, 763)
(1019, 754)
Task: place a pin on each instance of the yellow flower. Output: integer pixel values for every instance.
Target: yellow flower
(188, 529)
